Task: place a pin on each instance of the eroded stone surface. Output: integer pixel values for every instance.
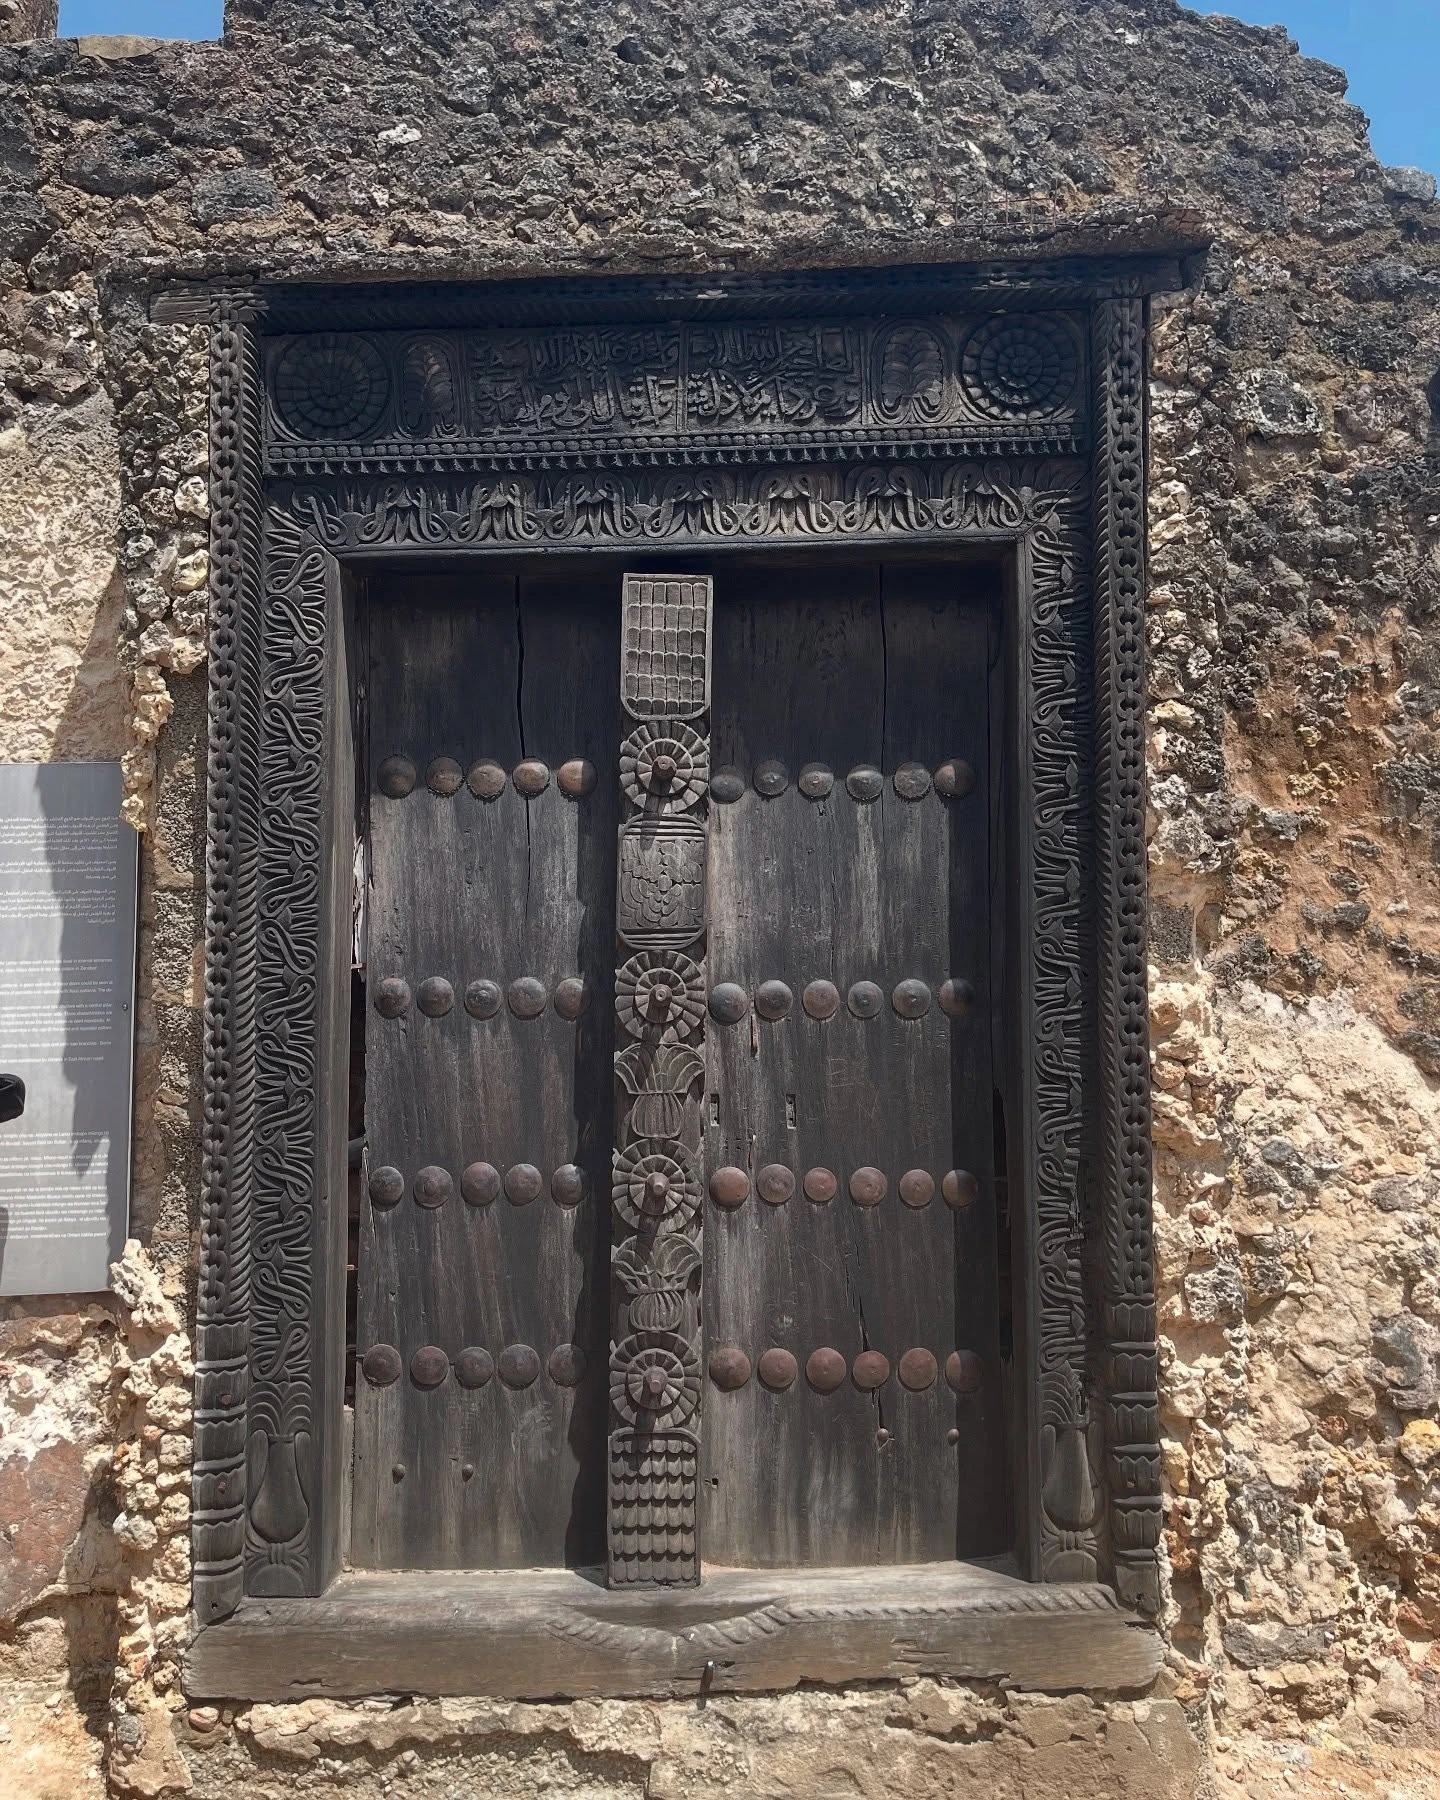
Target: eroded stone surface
(42, 1500)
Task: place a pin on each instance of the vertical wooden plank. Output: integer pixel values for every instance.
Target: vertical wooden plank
(864, 673)
(483, 1325)
(660, 1011)
(332, 1175)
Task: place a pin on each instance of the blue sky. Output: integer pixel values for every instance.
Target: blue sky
(1390, 49)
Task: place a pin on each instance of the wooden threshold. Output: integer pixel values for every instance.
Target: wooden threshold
(558, 1633)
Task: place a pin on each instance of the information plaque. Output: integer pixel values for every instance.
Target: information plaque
(68, 866)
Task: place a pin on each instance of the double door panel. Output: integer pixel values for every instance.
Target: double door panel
(483, 1326)
(855, 1281)
(850, 900)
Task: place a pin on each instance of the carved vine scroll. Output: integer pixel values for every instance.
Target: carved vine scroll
(660, 1005)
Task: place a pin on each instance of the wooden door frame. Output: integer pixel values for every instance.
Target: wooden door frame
(942, 448)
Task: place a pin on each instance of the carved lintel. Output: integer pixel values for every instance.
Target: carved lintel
(660, 989)
(590, 395)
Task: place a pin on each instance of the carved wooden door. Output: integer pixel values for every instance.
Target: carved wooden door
(790, 951)
(482, 1325)
(853, 1411)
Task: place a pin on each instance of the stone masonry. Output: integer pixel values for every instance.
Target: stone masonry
(1295, 796)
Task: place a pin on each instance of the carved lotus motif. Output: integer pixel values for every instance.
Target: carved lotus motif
(654, 1185)
(660, 991)
(655, 1283)
(910, 375)
(655, 1380)
(428, 389)
(659, 1078)
(664, 767)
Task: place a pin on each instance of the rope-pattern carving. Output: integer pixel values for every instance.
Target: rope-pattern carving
(223, 1304)
(1133, 1425)
(655, 1190)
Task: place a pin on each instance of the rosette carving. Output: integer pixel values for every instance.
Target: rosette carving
(654, 1184)
(660, 991)
(1020, 365)
(664, 767)
(655, 1379)
(331, 386)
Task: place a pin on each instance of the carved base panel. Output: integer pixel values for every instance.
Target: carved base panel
(559, 1634)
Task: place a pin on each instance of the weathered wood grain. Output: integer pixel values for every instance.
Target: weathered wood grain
(559, 1633)
(853, 665)
(514, 887)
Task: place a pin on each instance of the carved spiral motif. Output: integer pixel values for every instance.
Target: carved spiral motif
(664, 765)
(655, 1380)
(660, 990)
(331, 386)
(651, 1186)
(1019, 365)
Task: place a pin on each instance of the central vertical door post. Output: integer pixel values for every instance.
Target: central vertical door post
(660, 1000)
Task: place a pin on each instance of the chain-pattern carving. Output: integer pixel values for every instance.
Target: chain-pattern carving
(660, 1003)
(285, 1280)
(1133, 1423)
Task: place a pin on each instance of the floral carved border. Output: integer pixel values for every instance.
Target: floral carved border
(1078, 525)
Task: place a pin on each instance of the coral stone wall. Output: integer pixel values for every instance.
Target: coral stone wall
(1295, 787)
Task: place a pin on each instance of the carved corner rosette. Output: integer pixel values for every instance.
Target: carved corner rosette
(656, 1188)
(1127, 1266)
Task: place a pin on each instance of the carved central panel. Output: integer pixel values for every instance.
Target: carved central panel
(659, 1001)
